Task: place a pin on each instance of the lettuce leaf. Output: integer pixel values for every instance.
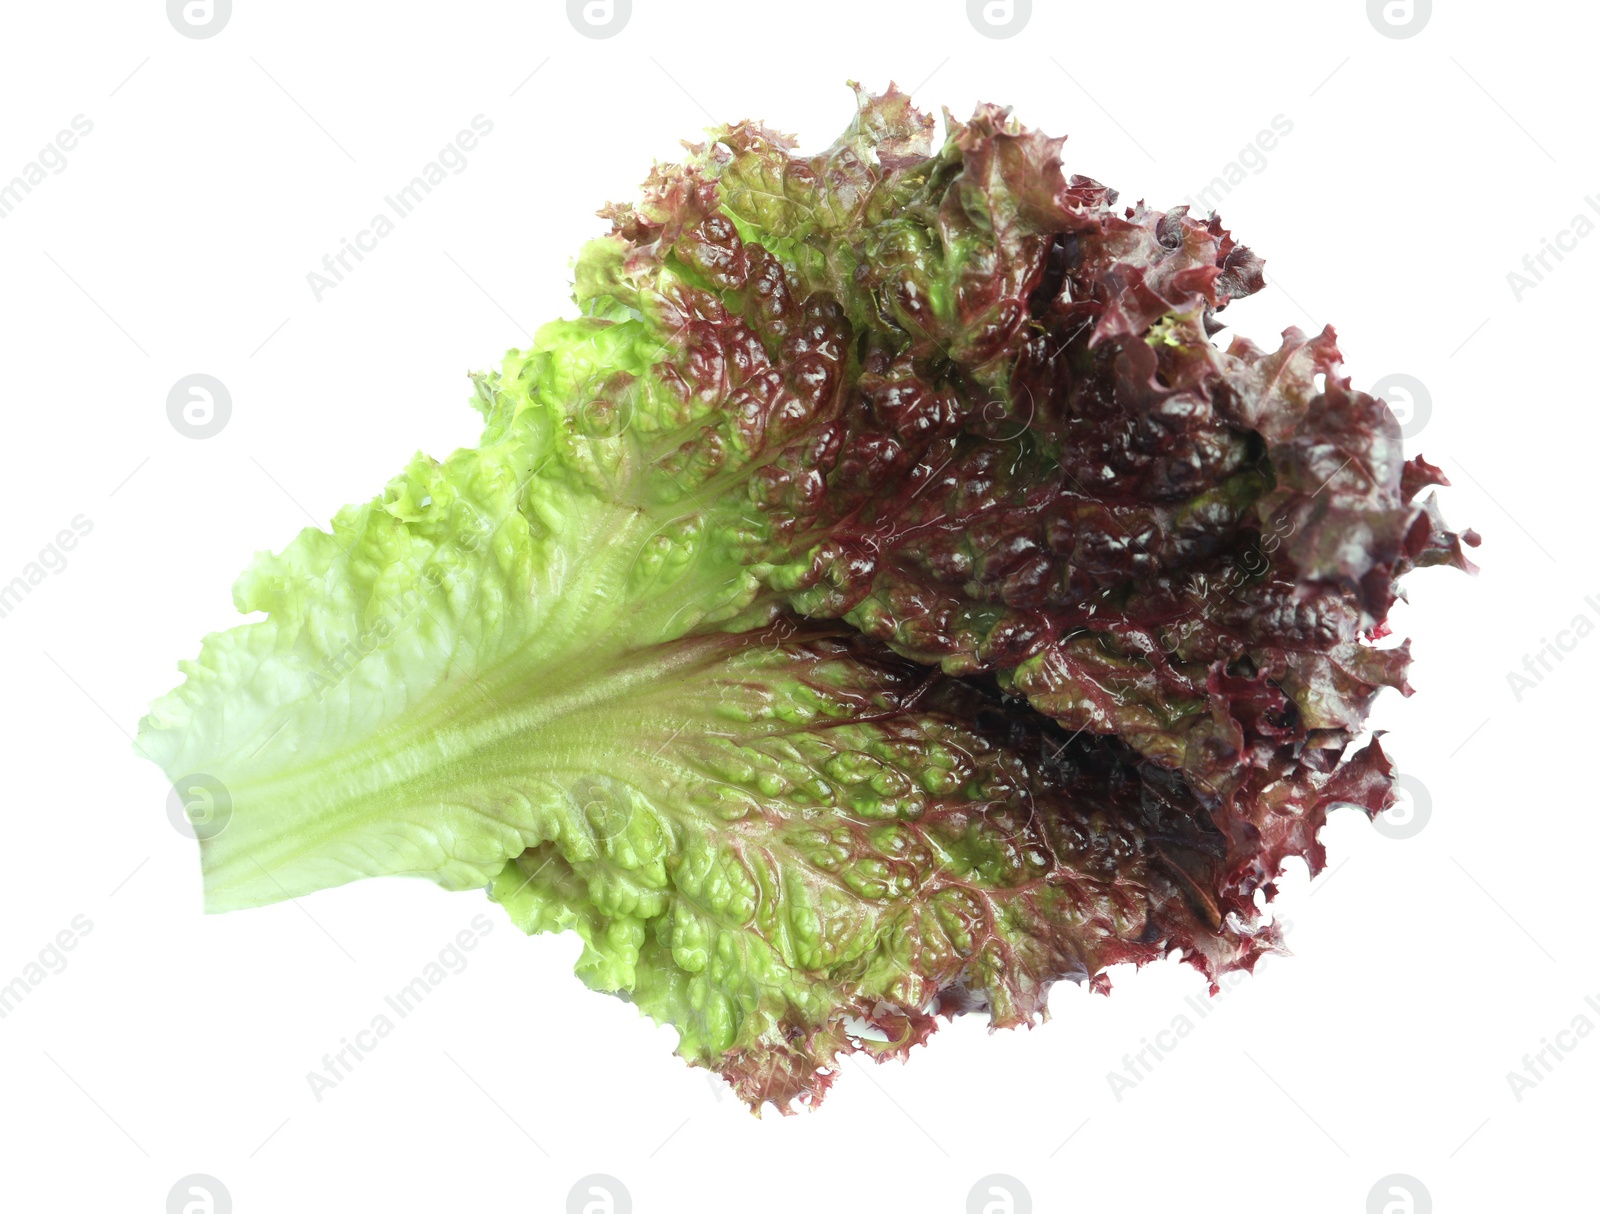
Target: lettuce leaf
(884, 598)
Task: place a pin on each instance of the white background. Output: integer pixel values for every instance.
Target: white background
(177, 239)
